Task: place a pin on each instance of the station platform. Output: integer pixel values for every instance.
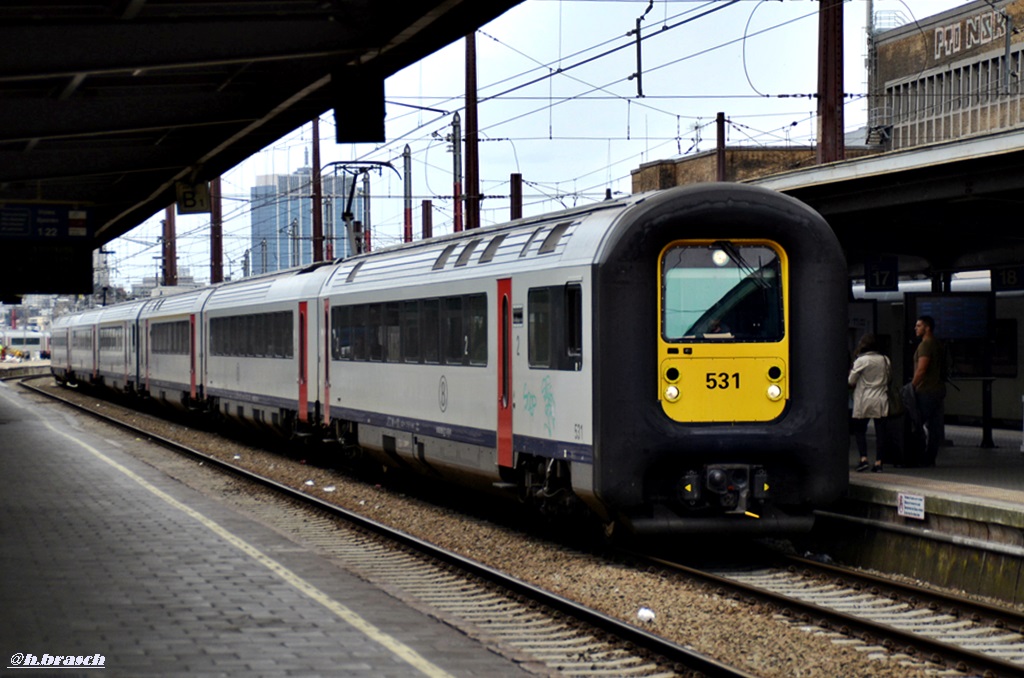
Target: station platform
(958, 524)
(107, 562)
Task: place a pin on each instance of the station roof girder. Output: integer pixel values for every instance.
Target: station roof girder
(107, 104)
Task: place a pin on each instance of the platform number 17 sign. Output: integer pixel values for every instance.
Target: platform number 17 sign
(881, 273)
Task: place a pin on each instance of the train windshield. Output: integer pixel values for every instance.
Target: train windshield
(722, 292)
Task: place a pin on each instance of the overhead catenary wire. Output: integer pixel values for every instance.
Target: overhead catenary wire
(511, 90)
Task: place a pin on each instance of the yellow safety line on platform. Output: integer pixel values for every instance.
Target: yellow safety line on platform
(404, 652)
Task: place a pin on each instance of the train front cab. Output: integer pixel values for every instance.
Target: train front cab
(722, 399)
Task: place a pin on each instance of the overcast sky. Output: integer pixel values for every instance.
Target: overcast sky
(559, 104)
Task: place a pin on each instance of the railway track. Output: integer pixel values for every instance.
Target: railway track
(929, 631)
(927, 628)
(548, 632)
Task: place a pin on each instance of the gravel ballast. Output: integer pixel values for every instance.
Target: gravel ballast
(737, 632)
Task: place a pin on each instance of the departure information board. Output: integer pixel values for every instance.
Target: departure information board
(42, 222)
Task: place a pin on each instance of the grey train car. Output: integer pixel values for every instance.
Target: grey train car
(672, 362)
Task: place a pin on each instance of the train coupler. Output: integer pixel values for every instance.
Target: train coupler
(729, 487)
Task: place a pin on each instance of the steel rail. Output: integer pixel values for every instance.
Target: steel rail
(913, 644)
(1000, 617)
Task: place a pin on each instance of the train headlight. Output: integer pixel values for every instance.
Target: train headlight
(774, 392)
(672, 393)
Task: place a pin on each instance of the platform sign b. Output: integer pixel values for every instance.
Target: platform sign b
(193, 198)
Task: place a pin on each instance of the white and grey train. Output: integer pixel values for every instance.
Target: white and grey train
(673, 361)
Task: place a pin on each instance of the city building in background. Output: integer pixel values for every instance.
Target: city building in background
(282, 219)
(152, 286)
(947, 76)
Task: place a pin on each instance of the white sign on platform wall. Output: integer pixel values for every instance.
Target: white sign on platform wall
(910, 505)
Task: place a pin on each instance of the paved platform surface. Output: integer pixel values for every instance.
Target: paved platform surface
(973, 496)
(105, 559)
(972, 470)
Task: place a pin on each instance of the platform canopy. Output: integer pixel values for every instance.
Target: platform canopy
(108, 106)
(933, 210)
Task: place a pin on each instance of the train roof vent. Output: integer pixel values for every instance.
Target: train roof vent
(492, 248)
(355, 269)
(533, 236)
(467, 252)
(551, 241)
(442, 259)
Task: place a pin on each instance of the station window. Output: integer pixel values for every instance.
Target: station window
(722, 292)
(555, 327)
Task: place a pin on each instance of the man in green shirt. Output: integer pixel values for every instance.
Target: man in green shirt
(929, 385)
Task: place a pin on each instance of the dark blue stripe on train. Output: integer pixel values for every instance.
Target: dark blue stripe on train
(550, 449)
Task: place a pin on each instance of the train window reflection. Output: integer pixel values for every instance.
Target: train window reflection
(722, 292)
(555, 327)
(449, 330)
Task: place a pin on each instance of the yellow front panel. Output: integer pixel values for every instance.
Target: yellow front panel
(724, 389)
(723, 339)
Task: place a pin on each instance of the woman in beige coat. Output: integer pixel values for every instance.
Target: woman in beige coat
(869, 379)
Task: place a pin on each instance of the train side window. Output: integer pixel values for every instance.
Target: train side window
(573, 327)
(392, 333)
(359, 350)
(452, 333)
(341, 333)
(538, 308)
(431, 323)
(374, 333)
(247, 340)
(275, 343)
(476, 328)
(555, 327)
(257, 335)
(411, 331)
(169, 338)
(287, 329)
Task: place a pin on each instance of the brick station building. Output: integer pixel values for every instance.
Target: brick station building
(947, 76)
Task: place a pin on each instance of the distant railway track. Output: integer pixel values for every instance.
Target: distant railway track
(938, 629)
(546, 628)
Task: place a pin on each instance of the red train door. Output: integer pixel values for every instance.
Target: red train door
(145, 348)
(95, 352)
(303, 350)
(504, 326)
(327, 362)
(192, 355)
